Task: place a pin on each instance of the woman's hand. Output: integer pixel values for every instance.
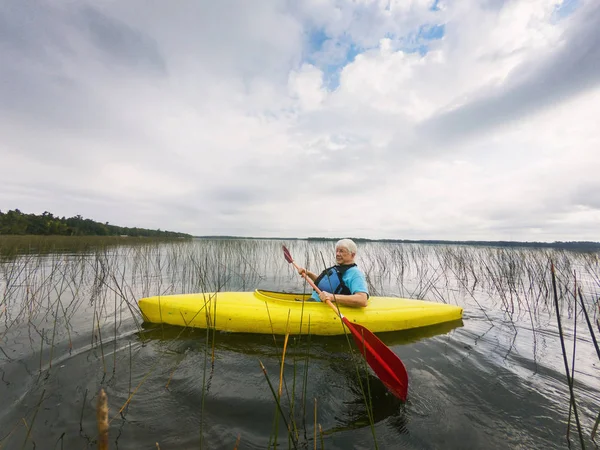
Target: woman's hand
(306, 273)
(324, 296)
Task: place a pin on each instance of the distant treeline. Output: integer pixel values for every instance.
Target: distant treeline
(573, 245)
(17, 223)
(585, 246)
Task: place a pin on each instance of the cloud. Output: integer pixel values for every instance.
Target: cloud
(120, 42)
(466, 120)
(532, 85)
(306, 85)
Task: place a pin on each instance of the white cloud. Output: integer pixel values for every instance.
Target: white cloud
(218, 118)
(306, 85)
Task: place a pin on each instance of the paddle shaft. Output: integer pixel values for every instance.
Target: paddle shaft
(346, 321)
(349, 324)
(314, 286)
(385, 363)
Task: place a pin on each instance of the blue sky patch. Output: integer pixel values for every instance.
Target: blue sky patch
(421, 49)
(430, 32)
(418, 41)
(566, 8)
(331, 72)
(317, 39)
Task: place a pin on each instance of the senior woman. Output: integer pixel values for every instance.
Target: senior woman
(343, 283)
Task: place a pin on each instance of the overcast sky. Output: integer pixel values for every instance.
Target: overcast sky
(471, 119)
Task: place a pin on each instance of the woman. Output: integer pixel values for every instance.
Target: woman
(344, 283)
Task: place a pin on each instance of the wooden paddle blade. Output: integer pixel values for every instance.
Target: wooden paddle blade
(384, 362)
(287, 255)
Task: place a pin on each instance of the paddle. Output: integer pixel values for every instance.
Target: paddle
(384, 362)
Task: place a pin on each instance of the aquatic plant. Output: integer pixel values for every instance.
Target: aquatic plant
(78, 297)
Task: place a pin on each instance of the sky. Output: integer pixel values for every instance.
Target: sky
(398, 119)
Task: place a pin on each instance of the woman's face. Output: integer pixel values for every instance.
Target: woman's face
(343, 256)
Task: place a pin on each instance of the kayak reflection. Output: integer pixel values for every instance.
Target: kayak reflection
(332, 360)
(265, 345)
(384, 406)
(355, 413)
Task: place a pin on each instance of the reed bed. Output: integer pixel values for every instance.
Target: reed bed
(58, 289)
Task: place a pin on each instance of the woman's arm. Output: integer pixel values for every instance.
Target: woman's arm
(359, 299)
(311, 275)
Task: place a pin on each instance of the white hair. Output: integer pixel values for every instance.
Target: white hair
(348, 244)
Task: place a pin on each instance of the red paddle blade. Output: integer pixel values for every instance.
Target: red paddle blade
(287, 255)
(384, 362)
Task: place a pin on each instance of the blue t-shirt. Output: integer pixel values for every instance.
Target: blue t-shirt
(354, 278)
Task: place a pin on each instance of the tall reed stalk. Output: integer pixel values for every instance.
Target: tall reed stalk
(564, 352)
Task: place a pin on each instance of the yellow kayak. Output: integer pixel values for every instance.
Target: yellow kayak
(267, 312)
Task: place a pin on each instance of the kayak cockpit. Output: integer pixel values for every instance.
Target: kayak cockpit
(273, 296)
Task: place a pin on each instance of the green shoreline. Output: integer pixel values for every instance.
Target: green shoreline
(17, 223)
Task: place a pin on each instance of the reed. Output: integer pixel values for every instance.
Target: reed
(562, 343)
(285, 342)
(274, 437)
(82, 411)
(48, 285)
(321, 437)
(589, 324)
(573, 355)
(35, 413)
(593, 336)
(278, 403)
(315, 427)
(15, 245)
(130, 397)
(305, 376)
(204, 379)
(102, 420)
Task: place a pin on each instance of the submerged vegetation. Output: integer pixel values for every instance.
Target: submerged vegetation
(14, 222)
(81, 305)
(13, 245)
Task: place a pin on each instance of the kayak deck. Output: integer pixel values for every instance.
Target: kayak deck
(267, 312)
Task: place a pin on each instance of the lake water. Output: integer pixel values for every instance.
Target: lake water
(69, 326)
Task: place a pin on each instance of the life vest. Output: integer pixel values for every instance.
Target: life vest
(331, 280)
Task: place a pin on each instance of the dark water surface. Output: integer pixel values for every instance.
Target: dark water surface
(69, 326)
